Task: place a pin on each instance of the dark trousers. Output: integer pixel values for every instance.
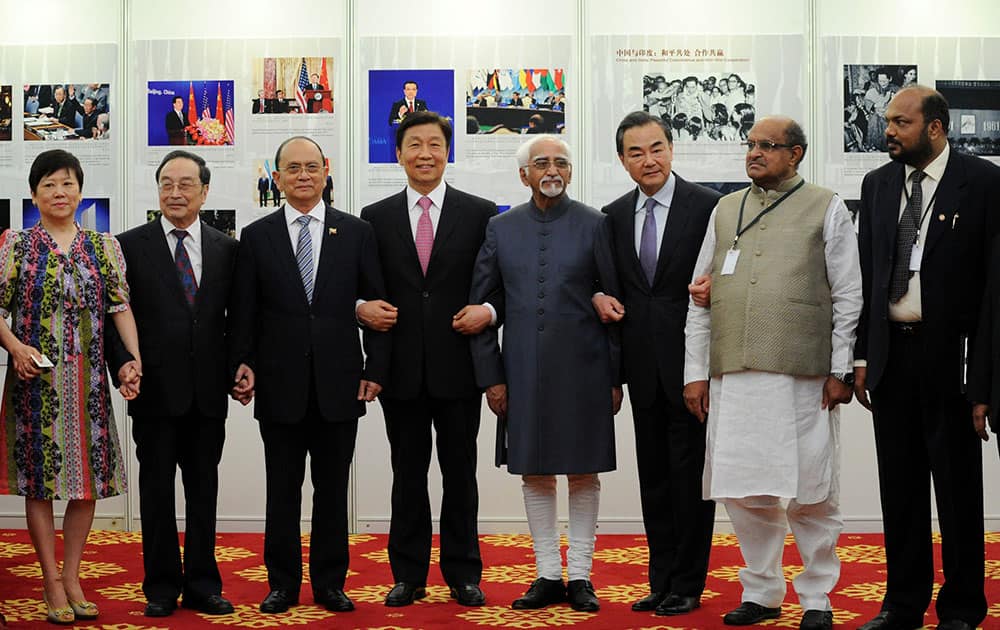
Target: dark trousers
(263, 198)
(670, 454)
(194, 443)
(456, 425)
(923, 432)
(330, 446)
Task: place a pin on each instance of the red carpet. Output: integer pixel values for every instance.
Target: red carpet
(112, 572)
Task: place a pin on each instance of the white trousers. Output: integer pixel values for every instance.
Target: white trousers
(540, 506)
(761, 523)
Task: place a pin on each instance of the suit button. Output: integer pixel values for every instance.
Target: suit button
(763, 227)
(753, 280)
(311, 316)
(541, 294)
(542, 263)
(541, 328)
(543, 248)
(541, 278)
(541, 311)
(426, 294)
(757, 253)
(308, 354)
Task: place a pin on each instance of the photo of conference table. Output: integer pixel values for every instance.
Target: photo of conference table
(47, 129)
(514, 118)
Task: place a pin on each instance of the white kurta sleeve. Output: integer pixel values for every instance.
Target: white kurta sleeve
(843, 271)
(697, 331)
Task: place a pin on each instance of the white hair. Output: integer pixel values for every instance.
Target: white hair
(523, 154)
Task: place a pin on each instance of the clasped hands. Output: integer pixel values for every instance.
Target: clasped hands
(380, 316)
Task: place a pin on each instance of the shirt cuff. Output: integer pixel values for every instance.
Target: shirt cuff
(493, 313)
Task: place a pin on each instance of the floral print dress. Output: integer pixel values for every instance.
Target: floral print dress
(58, 437)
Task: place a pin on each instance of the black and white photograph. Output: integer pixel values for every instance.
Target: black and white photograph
(868, 88)
(974, 108)
(715, 107)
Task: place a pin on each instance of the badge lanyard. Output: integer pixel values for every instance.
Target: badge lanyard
(729, 265)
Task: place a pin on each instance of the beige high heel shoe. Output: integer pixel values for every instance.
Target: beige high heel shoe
(61, 616)
(84, 610)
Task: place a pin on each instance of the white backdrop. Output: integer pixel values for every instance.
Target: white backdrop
(793, 49)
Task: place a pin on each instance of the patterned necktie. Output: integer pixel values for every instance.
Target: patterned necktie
(184, 270)
(304, 256)
(425, 234)
(647, 242)
(906, 236)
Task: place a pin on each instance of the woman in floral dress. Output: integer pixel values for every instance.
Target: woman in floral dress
(58, 438)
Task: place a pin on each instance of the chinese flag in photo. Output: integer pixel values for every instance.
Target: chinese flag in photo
(192, 108)
(219, 112)
(325, 80)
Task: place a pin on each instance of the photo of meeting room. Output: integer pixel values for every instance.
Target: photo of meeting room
(867, 92)
(714, 107)
(266, 192)
(184, 113)
(292, 85)
(91, 214)
(515, 100)
(6, 112)
(392, 94)
(974, 110)
(222, 220)
(67, 111)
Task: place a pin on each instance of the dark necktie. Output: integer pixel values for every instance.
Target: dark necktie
(184, 270)
(304, 256)
(906, 236)
(425, 234)
(647, 242)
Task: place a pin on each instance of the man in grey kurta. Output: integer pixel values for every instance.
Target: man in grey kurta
(556, 379)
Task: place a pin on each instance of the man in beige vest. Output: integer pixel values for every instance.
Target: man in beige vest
(777, 343)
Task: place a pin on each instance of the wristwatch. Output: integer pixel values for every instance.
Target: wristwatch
(847, 378)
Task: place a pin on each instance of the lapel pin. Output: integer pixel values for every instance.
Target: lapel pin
(334, 230)
(940, 217)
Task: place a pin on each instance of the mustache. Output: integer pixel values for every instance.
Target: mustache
(555, 179)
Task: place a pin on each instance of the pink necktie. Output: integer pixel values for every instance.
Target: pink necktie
(425, 234)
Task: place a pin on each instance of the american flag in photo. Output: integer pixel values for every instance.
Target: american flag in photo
(300, 95)
(230, 125)
(205, 111)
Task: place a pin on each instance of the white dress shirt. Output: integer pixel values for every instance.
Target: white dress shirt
(317, 220)
(907, 309)
(192, 243)
(766, 432)
(437, 200)
(664, 197)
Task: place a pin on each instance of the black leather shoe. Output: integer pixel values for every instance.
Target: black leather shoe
(540, 594)
(750, 613)
(649, 602)
(817, 620)
(160, 608)
(278, 601)
(210, 605)
(889, 620)
(674, 604)
(404, 594)
(580, 594)
(954, 624)
(333, 599)
(468, 594)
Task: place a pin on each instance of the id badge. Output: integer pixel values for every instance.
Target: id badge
(729, 264)
(915, 255)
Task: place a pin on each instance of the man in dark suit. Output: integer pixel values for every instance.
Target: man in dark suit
(179, 272)
(263, 187)
(90, 113)
(275, 193)
(925, 226)
(314, 83)
(260, 105)
(428, 237)
(176, 121)
(300, 272)
(515, 100)
(406, 105)
(656, 232)
(64, 109)
(279, 105)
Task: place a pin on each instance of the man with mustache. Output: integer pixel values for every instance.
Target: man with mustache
(556, 379)
(925, 227)
(772, 356)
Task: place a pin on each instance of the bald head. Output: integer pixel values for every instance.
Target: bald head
(785, 144)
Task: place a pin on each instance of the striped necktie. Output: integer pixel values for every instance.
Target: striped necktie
(425, 234)
(304, 256)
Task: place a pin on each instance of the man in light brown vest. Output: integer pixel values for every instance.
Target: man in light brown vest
(777, 344)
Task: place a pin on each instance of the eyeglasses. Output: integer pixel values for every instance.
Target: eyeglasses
(764, 145)
(185, 186)
(294, 169)
(543, 164)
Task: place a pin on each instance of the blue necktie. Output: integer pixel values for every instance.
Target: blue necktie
(304, 256)
(184, 269)
(647, 242)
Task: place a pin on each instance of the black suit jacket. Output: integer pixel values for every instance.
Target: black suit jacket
(66, 114)
(89, 124)
(984, 375)
(962, 225)
(288, 341)
(184, 354)
(260, 106)
(418, 106)
(653, 327)
(425, 348)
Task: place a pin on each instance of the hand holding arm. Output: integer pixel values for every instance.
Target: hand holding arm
(701, 291)
(608, 308)
(472, 319)
(377, 315)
